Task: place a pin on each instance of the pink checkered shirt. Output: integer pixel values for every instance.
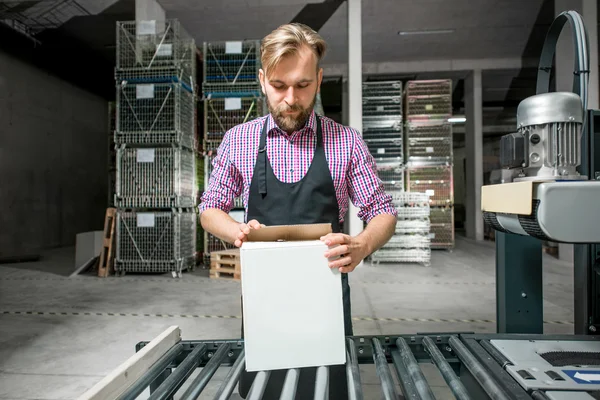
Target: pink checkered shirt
(350, 163)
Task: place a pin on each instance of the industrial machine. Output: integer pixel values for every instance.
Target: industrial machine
(555, 159)
(545, 155)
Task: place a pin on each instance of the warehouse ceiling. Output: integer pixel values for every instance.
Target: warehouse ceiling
(467, 29)
(433, 30)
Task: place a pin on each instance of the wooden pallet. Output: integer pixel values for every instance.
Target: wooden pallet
(225, 273)
(105, 266)
(225, 264)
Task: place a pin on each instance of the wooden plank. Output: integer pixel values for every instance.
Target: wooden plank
(126, 374)
(105, 266)
(510, 198)
(230, 252)
(220, 274)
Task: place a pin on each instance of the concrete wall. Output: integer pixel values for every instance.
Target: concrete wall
(53, 160)
(491, 153)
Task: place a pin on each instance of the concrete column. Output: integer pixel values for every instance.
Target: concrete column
(565, 53)
(474, 155)
(345, 118)
(565, 58)
(355, 225)
(146, 10)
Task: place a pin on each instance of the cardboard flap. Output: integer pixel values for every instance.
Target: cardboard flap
(289, 232)
(508, 198)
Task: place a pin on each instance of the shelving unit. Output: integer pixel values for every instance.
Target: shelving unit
(429, 154)
(155, 186)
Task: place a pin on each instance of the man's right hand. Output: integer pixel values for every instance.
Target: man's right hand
(244, 231)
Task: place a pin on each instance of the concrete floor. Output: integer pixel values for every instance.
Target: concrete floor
(81, 328)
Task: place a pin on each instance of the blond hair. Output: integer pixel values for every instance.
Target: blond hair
(287, 40)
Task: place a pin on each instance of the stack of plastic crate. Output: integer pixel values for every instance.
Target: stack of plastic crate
(156, 190)
(231, 95)
(429, 155)
(411, 242)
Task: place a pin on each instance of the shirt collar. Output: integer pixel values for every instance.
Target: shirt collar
(310, 126)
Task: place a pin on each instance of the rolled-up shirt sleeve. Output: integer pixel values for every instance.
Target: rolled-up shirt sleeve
(365, 189)
(225, 181)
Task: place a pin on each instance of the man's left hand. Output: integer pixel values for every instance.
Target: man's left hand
(351, 251)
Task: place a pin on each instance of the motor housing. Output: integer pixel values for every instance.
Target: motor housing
(547, 144)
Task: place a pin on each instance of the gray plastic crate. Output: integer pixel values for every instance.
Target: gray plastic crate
(155, 178)
(155, 113)
(155, 242)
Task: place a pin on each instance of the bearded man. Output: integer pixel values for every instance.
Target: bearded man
(295, 167)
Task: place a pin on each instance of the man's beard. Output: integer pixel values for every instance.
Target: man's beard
(291, 123)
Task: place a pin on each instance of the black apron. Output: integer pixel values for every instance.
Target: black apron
(308, 201)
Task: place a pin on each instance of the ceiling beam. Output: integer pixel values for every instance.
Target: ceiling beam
(533, 47)
(404, 67)
(316, 15)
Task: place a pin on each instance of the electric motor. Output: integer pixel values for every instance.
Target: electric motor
(547, 144)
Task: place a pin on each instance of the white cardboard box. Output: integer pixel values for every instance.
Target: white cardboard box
(292, 304)
(87, 246)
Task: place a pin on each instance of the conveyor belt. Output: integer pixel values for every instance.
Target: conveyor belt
(469, 364)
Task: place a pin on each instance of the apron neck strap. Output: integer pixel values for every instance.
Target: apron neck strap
(262, 154)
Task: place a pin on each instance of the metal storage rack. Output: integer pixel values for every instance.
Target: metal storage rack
(442, 226)
(382, 120)
(435, 181)
(392, 176)
(411, 242)
(155, 241)
(383, 133)
(155, 51)
(222, 114)
(231, 69)
(112, 154)
(155, 188)
(155, 113)
(429, 154)
(232, 95)
(161, 177)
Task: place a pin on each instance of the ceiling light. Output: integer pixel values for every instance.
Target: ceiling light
(426, 32)
(455, 120)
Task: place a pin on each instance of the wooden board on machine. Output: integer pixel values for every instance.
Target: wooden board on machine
(225, 264)
(105, 266)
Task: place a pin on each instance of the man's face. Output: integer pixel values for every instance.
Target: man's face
(291, 89)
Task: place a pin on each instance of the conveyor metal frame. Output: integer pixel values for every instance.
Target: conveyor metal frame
(470, 365)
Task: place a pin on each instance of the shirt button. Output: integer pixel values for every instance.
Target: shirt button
(291, 170)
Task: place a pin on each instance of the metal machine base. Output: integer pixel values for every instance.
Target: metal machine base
(552, 365)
